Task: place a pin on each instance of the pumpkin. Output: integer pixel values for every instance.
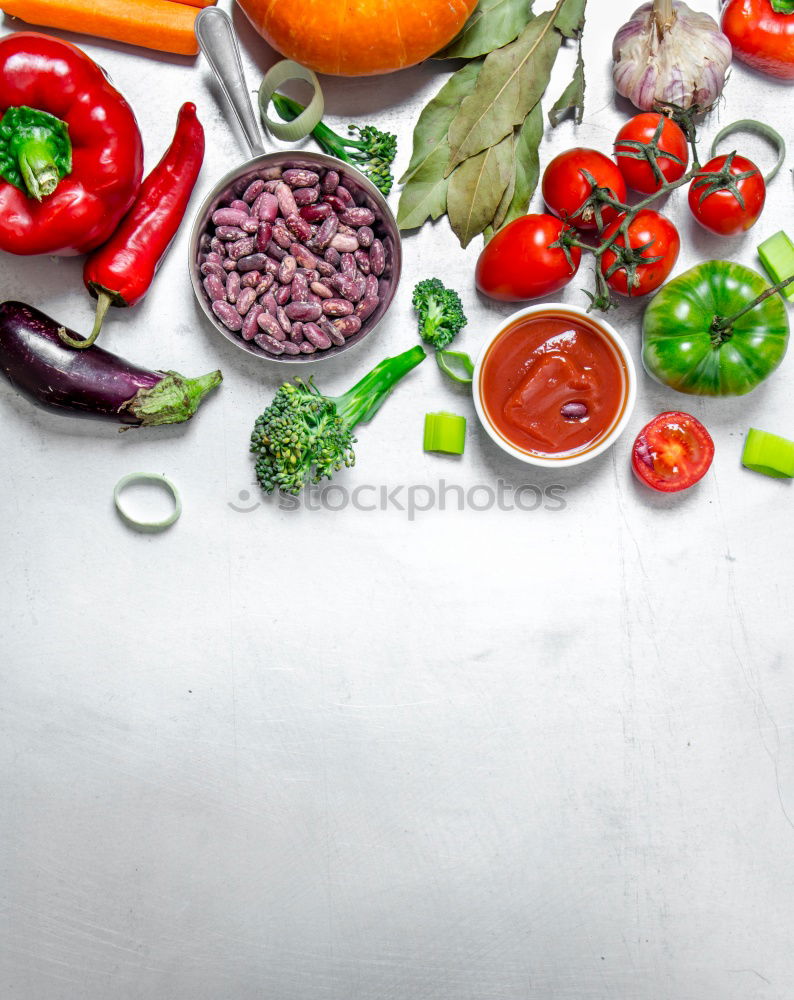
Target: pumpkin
(358, 37)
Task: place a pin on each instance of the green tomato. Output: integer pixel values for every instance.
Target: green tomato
(685, 346)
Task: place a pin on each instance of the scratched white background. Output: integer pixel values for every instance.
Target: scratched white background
(313, 754)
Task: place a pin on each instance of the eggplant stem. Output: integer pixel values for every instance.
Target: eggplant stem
(104, 302)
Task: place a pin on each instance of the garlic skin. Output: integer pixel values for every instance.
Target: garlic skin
(668, 54)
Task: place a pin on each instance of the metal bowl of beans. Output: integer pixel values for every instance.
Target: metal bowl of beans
(295, 257)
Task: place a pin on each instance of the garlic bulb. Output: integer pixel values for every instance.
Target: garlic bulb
(669, 54)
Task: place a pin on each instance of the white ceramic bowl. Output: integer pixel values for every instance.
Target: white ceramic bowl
(624, 414)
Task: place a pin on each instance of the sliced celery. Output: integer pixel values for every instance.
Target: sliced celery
(777, 256)
(445, 432)
(769, 454)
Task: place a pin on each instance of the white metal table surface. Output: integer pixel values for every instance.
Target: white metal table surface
(443, 754)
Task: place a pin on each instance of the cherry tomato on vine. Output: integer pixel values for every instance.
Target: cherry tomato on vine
(719, 209)
(672, 452)
(566, 188)
(658, 236)
(518, 262)
(633, 162)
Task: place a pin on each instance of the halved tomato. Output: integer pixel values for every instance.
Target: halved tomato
(672, 452)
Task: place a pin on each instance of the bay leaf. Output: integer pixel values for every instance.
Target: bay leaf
(507, 197)
(511, 82)
(570, 19)
(425, 195)
(476, 189)
(572, 98)
(434, 121)
(527, 164)
(493, 24)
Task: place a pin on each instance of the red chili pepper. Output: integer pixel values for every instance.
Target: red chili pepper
(71, 156)
(121, 272)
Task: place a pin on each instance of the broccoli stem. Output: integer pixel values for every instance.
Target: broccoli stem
(362, 402)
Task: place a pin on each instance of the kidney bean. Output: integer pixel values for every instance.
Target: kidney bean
(242, 248)
(309, 273)
(326, 232)
(233, 287)
(271, 326)
(362, 261)
(347, 287)
(213, 286)
(286, 200)
(366, 307)
(214, 269)
(264, 233)
(224, 217)
(573, 411)
(250, 226)
(299, 227)
(344, 195)
(330, 182)
(218, 247)
(250, 325)
(290, 348)
(282, 237)
(348, 325)
(275, 251)
(300, 288)
(299, 178)
(345, 244)
(238, 205)
(252, 192)
(332, 333)
(229, 265)
(265, 208)
(314, 298)
(322, 290)
(272, 182)
(228, 315)
(333, 256)
(365, 236)
(357, 215)
(283, 320)
(269, 302)
(307, 348)
(348, 230)
(316, 336)
(265, 285)
(306, 196)
(371, 289)
(347, 265)
(245, 300)
(253, 263)
(315, 213)
(251, 279)
(296, 333)
(283, 295)
(303, 256)
(336, 203)
(377, 257)
(324, 269)
(268, 344)
(230, 233)
(337, 307)
(287, 270)
(271, 266)
(303, 311)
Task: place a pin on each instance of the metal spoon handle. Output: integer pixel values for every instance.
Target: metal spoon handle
(215, 34)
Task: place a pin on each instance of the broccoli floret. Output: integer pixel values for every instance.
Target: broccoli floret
(441, 316)
(372, 153)
(304, 436)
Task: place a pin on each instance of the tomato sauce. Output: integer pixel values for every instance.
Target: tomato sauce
(553, 385)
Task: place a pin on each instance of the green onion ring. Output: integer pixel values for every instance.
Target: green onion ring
(758, 128)
(457, 357)
(768, 454)
(147, 477)
(312, 114)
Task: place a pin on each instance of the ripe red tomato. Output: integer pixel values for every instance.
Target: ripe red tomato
(721, 212)
(566, 188)
(761, 37)
(660, 238)
(518, 264)
(641, 129)
(672, 452)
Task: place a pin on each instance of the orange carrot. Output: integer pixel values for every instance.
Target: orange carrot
(154, 24)
(197, 3)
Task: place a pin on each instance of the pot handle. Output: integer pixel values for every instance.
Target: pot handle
(218, 42)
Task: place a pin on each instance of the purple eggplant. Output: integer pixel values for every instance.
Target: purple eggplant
(91, 382)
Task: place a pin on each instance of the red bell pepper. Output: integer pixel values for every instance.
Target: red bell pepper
(71, 156)
(120, 272)
(762, 34)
